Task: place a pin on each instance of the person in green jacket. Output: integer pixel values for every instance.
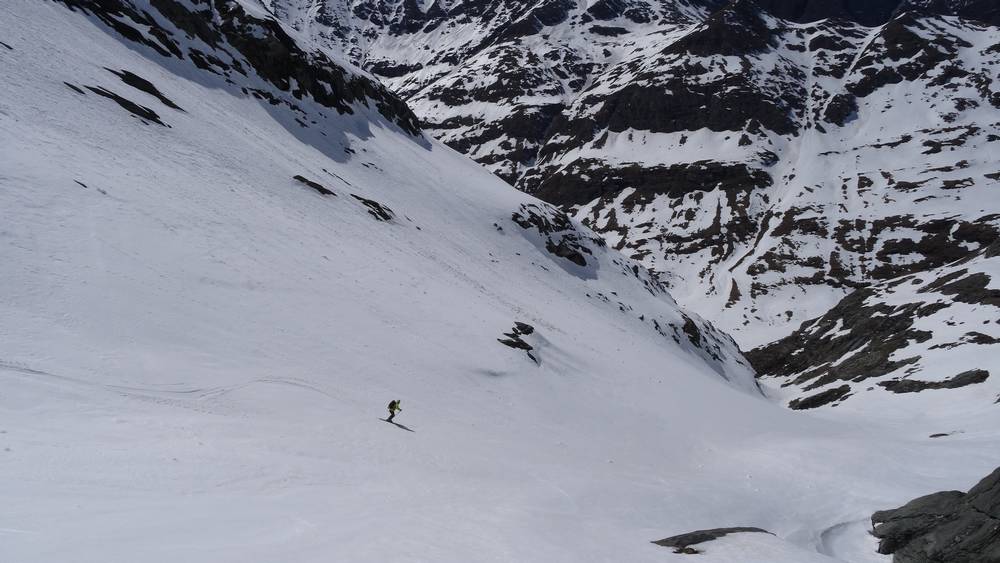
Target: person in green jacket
(393, 409)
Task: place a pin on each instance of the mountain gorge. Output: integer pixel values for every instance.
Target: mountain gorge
(765, 159)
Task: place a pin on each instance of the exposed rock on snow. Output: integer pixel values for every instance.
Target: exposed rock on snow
(142, 112)
(970, 377)
(515, 339)
(900, 332)
(320, 188)
(556, 233)
(822, 398)
(682, 542)
(948, 526)
(375, 209)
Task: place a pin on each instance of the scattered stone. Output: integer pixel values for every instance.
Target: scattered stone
(375, 209)
(314, 185)
(514, 339)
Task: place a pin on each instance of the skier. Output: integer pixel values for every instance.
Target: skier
(393, 409)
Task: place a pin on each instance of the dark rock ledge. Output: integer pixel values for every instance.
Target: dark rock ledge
(949, 526)
(683, 542)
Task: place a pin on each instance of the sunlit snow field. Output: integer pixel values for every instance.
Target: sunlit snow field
(195, 351)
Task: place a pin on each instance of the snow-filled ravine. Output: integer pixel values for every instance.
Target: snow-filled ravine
(196, 347)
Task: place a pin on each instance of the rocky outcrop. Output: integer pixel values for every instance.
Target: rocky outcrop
(895, 333)
(683, 542)
(515, 339)
(948, 526)
(831, 395)
(970, 377)
(554, 231)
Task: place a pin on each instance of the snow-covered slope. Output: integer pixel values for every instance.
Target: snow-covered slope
(223, 254)
(920, 336)
(737, 148)
(366, 206)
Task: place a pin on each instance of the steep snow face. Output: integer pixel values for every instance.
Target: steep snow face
(219, 268)
(201, 204)
(764, 167)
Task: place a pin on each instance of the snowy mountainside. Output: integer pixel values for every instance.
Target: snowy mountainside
(922, 336)
(219, 268)
(353, 153)
(488, 77)
(838, 156)
(733, 147)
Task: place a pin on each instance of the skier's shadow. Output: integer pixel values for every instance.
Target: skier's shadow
(398, 425)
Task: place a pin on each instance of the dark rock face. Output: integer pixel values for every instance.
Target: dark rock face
(821, 398)
(949, 526)
(585, 180)
(970, 377)
(682, 543)
(877, 329)
(865, 12)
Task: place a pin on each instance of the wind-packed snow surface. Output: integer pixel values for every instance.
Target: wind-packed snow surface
(196, 346)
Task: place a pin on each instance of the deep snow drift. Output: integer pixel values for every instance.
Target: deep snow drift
(195, 347)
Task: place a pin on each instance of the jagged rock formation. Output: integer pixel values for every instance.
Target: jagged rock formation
(948, 526)
(765, 161)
